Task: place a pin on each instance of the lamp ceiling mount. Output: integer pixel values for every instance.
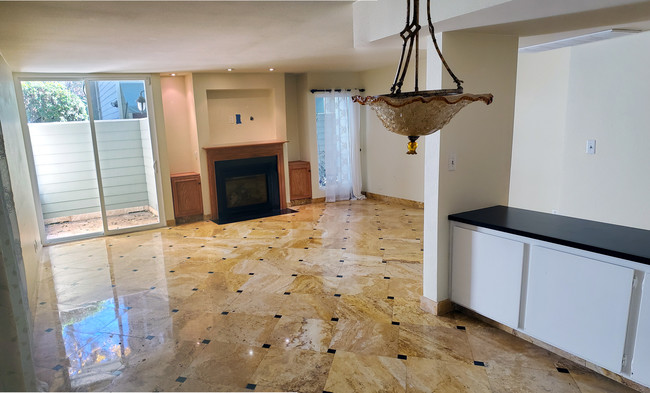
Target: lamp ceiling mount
(418, 113)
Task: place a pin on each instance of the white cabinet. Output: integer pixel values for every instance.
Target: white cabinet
(486, 275)
(580, 305)
(641, 359)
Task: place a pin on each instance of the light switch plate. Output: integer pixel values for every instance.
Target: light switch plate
(591, 146)
(451, 163)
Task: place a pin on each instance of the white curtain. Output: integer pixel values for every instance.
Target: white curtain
(342, 147)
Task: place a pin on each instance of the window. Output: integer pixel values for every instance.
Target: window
(337, 136)
(320, 138)
(92, 166)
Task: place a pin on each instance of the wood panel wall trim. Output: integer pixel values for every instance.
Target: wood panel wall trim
(235, 152)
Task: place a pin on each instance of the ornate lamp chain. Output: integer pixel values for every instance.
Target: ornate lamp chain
(410, 36)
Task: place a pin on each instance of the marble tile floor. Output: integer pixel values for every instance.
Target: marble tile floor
(322, 300)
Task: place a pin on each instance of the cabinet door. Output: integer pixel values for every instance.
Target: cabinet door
(641, 358)
(187, 196)
(486, 275)
(578, 304)
(299, 180)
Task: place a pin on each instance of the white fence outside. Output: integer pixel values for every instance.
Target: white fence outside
(65, 166)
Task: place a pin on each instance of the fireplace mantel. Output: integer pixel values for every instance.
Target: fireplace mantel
(239, 151)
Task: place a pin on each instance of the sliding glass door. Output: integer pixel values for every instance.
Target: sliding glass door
(63, 158)
(92, 156)
(121, 123)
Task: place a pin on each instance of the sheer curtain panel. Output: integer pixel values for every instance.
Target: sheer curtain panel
(342, 147)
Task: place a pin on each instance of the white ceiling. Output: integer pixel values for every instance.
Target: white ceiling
(291, 36)
(180, 36)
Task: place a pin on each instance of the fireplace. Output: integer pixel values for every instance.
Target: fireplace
(246, 181)
(247, 188)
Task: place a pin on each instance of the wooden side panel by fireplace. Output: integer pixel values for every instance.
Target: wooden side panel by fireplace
(234, 152)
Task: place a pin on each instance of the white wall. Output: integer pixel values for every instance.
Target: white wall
(540, 117)
(19, 258)
(30, 238)
(180, 124)
(605, 99)
(206, 84)
(480, 137)
(388, 169)
(255, 104)
(293, 128)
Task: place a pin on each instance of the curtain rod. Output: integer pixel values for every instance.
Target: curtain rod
(329, 90)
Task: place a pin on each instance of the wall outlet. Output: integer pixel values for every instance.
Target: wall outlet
(451, 162)
(591, 146)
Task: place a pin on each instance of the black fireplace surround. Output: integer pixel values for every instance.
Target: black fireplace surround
(247, 188)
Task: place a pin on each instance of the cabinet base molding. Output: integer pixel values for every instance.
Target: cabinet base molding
(188, 219)
(436, 308)
(306, 201)
(578, 360)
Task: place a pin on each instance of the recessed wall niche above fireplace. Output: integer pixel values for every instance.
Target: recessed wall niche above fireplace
(246, 181)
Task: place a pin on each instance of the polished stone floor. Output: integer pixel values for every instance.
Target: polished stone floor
(325, 299)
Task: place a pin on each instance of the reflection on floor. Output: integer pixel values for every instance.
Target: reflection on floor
(326, 299)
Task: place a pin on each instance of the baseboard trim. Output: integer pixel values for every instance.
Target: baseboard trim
(576, 359)
(436, 308)
(390, 199)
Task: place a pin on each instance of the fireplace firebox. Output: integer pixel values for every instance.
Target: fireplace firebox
(247, 188)
(244, 180)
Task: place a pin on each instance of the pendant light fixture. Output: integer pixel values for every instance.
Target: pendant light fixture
(418, 113)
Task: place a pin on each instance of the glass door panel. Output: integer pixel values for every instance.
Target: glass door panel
(128, 175)
(64, 160)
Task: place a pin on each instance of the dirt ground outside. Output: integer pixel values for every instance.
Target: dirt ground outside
(64, 229)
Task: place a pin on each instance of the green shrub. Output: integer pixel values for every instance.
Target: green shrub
(52, 102)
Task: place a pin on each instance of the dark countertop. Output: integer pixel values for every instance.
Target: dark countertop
(614, 240)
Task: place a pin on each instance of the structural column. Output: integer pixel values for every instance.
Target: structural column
(479, 139)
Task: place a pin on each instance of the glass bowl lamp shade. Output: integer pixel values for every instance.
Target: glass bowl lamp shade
(417, 113)
(415, 116)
